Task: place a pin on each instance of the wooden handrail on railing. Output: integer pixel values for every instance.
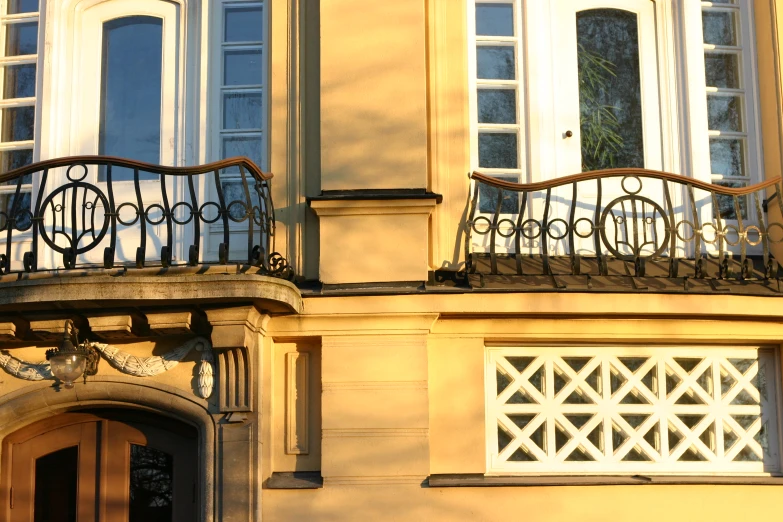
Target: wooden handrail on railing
(632, 215)
(64, 209)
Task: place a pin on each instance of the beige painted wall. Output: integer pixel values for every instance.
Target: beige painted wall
(373, 95)
(552, 504)
(386, 358)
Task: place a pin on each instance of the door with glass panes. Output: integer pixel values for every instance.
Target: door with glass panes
(126, 84)
(102, 466)
(607, 111)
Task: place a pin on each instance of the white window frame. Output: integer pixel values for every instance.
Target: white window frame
(684, 142)
(608, 408)
(215, 132)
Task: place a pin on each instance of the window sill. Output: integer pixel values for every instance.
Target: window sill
(477, 480)
(295, 480)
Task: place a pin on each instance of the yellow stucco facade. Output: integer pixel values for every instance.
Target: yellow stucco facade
(357, 373)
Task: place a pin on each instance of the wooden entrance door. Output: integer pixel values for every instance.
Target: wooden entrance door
(101, 466)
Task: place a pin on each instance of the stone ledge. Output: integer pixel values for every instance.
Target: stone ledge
(478, 480)
(97, 290)
(295, 480)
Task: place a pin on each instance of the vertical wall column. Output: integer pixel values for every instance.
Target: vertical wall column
(237, 334)
(375, 410)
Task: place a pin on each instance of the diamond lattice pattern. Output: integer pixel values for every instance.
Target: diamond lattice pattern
(655, 410)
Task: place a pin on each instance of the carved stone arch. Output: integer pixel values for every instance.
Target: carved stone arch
(40, 400)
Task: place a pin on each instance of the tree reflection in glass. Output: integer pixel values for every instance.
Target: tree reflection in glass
(151, 485)
(609, 89)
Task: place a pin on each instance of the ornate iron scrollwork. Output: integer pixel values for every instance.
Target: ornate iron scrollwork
(87, 208)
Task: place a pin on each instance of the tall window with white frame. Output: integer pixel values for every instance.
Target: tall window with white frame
(730, 111)
(242, 86)
(498, 143)
(18, 67)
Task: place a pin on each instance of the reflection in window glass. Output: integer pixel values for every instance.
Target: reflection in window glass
(151, 485)
(18, 124)
(498, 151)
(242, 67)
(242, 103)
(22, 6)
(722, 70)
(56, 478)
(19, 81)
(494, 62)
(488, 198)
(131, 91)
(17, 129)
(242, 110)
(494, 19)
(497, 106)
(21, 39)
(609, 89)
(244, 24)
(720, 27)
(724, 113)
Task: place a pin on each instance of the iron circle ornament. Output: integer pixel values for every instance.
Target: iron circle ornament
(237, 211)
(510, 227)
(755, 230)
(79, 232)
(550, 225)
(626, 190)
(680, 236)
(188, 214)
(589, 223)
(770, 237)
(135, 214)
(482, 231)
(525, 228)
(734, 230)
(152, 208)
(76, 179)
(206, 205)
(632, 239)
(716, 233)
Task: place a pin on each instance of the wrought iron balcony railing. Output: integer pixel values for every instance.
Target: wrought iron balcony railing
(586, 223)
(101, 211)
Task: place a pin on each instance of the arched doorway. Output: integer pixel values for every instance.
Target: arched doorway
(109, 465)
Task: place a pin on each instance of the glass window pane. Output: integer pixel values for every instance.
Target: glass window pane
(23, 216)
(19, 81)
(249, 146)
(722, 70)
(235, 191)
(728, 204)
(151, 485)
(18, 123)
(22, 6)
(498, 150)
(56, 478)
(495, 19)
(242, 110)
(497, 106)
(488, 198)
(242, 67)
(724, 113)
(244, 24)
(610, 101)
(21, 39)
(14, 159)
(727, 157)
(720, 27)
(131, 91)
(495, 62)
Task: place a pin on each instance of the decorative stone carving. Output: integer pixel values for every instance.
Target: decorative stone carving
(128, 364)
(25, 370)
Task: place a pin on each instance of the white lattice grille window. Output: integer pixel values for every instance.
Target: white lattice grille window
(632, 410)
